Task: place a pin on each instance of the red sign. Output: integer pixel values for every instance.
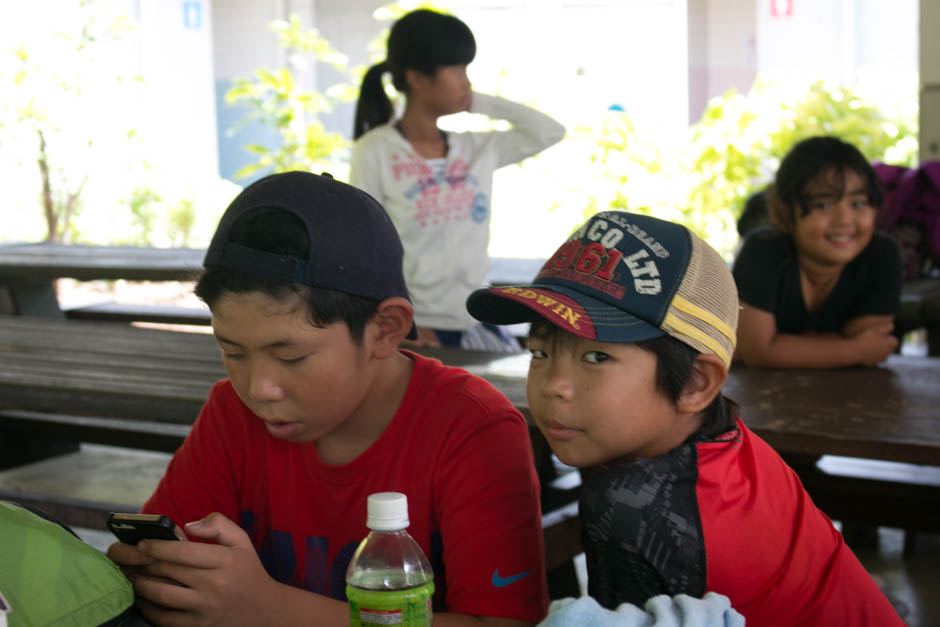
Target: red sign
(781, 8)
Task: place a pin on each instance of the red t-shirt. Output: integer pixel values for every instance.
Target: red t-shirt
(725, 515)
(456, 447)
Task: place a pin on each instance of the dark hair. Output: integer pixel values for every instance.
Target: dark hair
(421, 40)
(812, 158)
(280, 231)
(674, 360)
(754, 214)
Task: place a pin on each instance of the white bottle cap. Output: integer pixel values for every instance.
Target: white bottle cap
(387, 511)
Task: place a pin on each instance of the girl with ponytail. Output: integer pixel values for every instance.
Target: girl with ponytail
(437, 186)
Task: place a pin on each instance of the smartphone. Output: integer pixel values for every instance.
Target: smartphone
(132, 528)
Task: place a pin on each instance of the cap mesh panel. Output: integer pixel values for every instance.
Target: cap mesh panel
(709, 286)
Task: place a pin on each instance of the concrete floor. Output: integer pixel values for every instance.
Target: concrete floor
(912, 584)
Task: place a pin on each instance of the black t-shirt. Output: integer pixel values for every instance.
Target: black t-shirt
(768, 278)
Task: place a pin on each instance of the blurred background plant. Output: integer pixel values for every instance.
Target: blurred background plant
(732, 151)
(60, 85)
(277, 98)
(74, 138)
(736, 147)
(160, 219)
(105, 181)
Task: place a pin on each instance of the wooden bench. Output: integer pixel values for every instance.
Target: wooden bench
(28, 273)
(172, 315)
(871, 492)
(125, 312)
(82, 486)
(920, 308)
(67, 371)
(143, 435)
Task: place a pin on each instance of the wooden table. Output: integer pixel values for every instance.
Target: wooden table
(44, 261)
(135, 263)
(889, 413)
(28, 270)
(66, 381)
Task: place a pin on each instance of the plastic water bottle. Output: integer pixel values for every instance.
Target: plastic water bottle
(389, 580)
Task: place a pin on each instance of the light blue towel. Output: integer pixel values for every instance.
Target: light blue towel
(712, 610)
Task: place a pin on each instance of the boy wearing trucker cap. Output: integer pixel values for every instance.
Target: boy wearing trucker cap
(633, 329)
(319, 410)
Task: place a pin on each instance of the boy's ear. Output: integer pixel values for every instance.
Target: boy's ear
(392, 319)
(708, 375)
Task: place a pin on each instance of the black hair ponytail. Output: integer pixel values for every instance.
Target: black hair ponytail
(373, 107)
(421, 40)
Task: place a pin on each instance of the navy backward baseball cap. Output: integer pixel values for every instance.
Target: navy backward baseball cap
(354, 246)
(624, 277)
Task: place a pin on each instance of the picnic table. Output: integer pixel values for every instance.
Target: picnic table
(888, 413)
(29, 270)
(125, 386)
(63, 380)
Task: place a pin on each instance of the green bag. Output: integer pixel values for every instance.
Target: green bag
(48, 576)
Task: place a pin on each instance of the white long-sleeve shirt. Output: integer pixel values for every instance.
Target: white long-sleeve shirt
(441, 208)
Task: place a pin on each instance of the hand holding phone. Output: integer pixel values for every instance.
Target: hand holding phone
(132, 528)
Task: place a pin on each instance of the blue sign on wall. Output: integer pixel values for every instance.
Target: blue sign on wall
(192, 15)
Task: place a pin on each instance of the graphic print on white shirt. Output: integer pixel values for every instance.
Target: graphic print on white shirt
(440, 191)
(442, 207)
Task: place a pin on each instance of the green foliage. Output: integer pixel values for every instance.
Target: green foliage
(143, 203)
(740, 140)
(181, 222)
(277, 99)
(53, 80)
(164, 213)
(628, 165)
(733, 151)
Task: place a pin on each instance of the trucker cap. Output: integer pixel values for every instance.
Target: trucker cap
(624, 277)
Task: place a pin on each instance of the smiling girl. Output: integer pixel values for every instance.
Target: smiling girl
(820, 288)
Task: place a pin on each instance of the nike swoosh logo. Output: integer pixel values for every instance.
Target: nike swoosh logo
(502, 582)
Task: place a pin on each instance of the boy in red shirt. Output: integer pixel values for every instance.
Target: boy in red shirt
(320, 409)
(633, 330)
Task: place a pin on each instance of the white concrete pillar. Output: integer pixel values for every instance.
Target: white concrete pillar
(929, 135)
(722, 49)
(176, 62)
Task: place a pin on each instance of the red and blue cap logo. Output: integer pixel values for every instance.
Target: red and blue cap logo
(612, 281)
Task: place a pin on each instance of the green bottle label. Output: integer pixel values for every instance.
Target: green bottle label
(410, 607)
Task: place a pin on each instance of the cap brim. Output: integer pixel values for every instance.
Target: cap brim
(567, 309)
